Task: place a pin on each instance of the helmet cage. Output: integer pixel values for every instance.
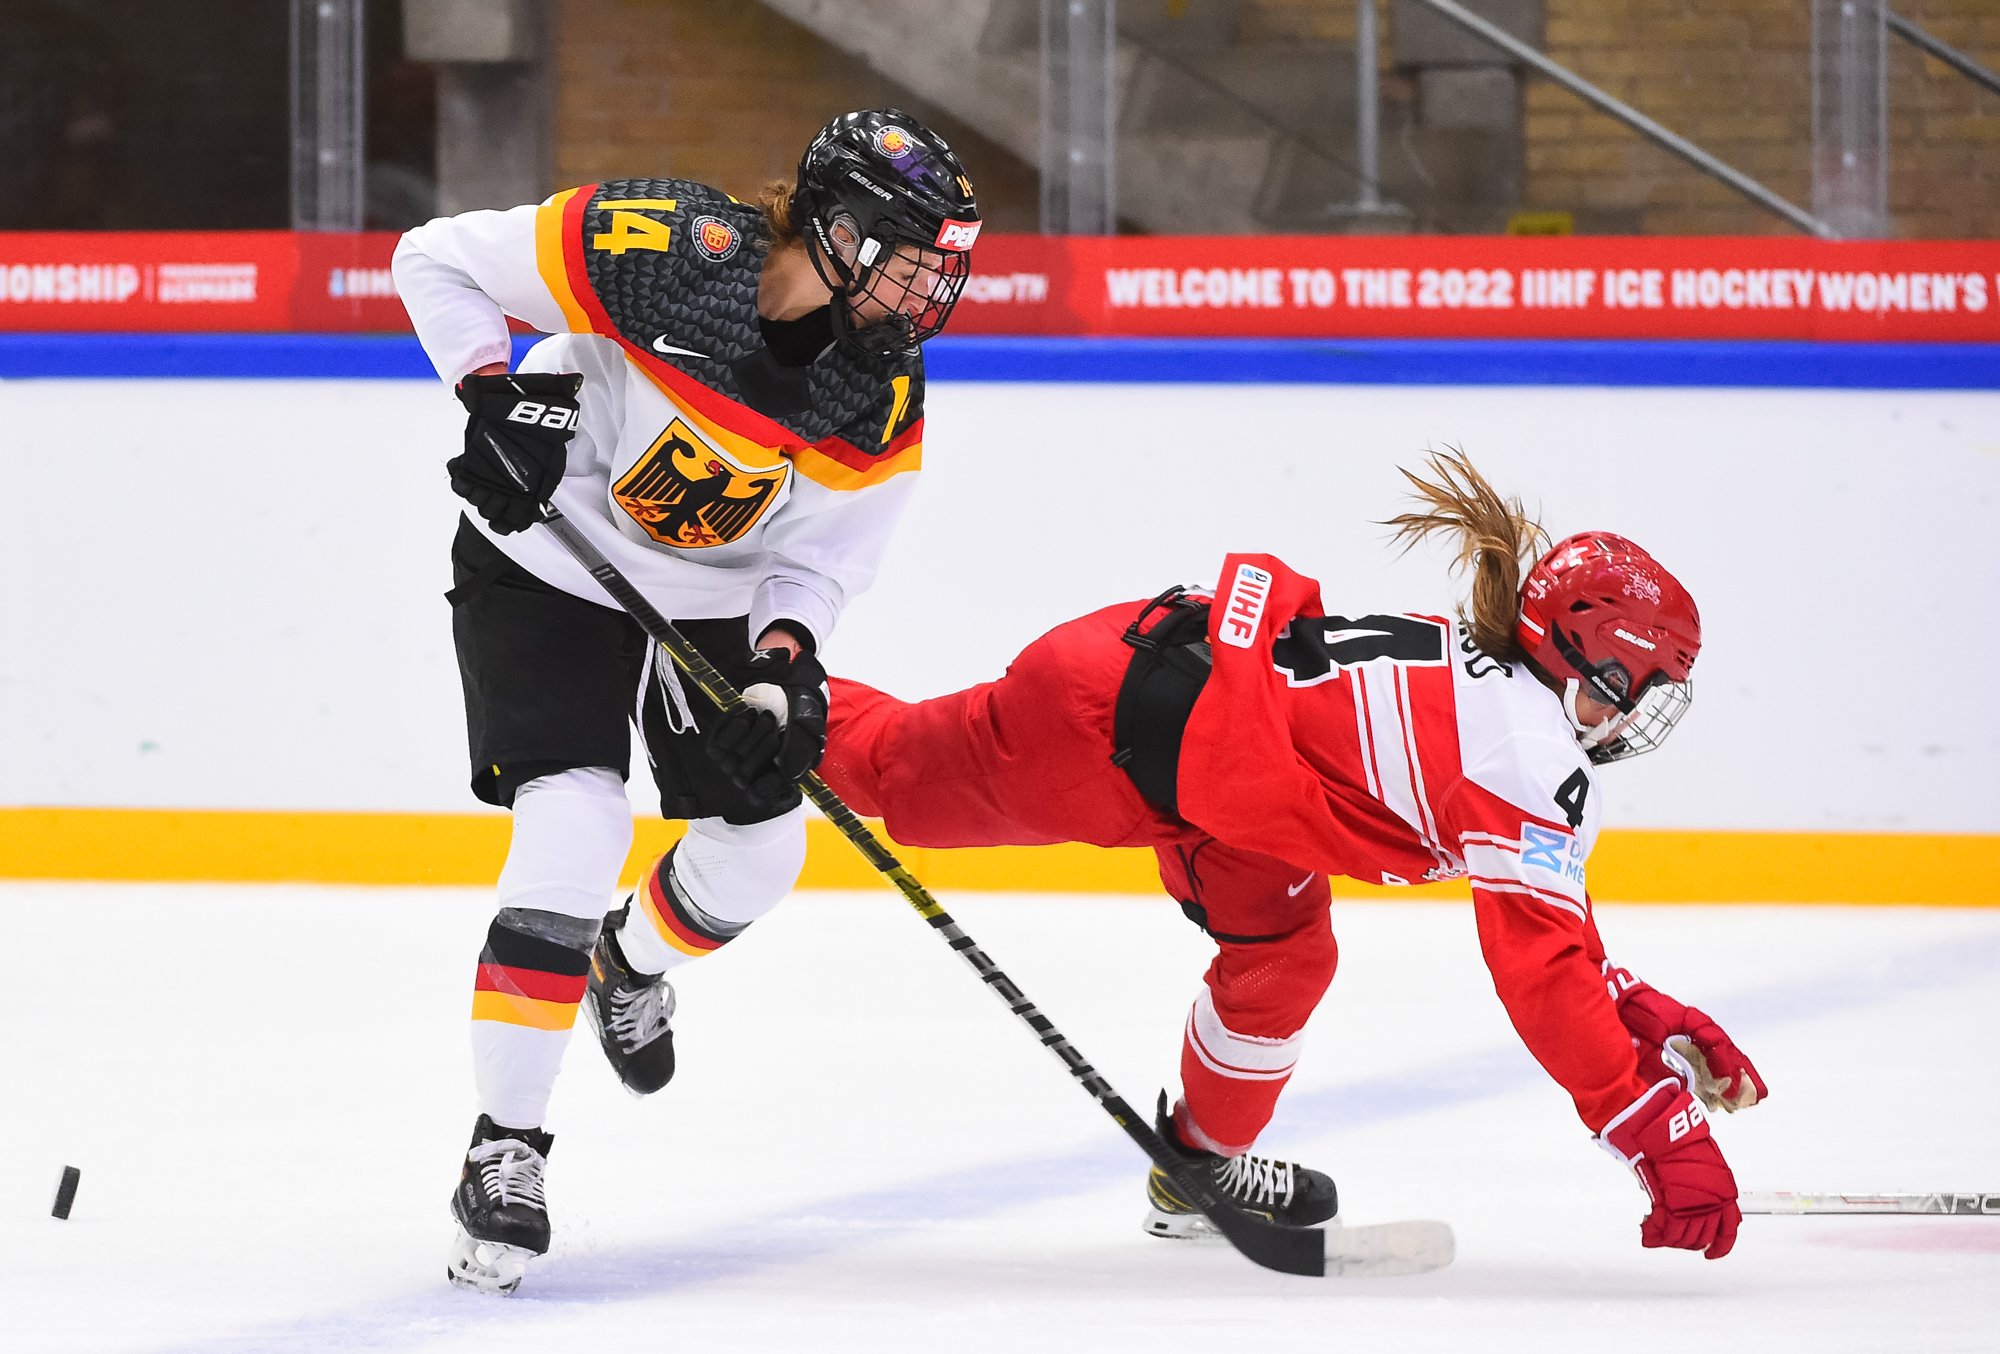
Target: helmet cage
(907, 287)
(1641, 729)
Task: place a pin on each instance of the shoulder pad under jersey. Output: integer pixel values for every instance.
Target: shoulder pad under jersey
(1515, 744)
(671, 268)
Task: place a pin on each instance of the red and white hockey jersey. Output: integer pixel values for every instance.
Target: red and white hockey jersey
(1389, 748)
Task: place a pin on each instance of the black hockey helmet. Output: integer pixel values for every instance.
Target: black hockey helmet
(893, 215)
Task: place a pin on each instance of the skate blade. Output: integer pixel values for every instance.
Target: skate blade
(1193, 1226)
(1180, 1226)
(491, 1267)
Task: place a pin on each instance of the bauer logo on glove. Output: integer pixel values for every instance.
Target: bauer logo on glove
(516, 444)
(530, 411)
(1685, 1122)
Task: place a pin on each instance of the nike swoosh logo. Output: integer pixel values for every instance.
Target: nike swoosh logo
(660, 345)
(1299, 887)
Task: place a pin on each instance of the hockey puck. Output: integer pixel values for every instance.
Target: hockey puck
(66, 1192)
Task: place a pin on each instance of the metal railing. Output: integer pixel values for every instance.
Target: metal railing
(1631, 117)
(1943, 51)
(1363, 167)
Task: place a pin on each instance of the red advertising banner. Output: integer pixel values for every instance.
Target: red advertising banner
(241, 281)
(1422, 286)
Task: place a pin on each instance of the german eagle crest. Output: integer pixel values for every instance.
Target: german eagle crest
(687, 494)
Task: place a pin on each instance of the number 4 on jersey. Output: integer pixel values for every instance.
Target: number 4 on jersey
(1319, 647)
(629, 230)
(1570, 795)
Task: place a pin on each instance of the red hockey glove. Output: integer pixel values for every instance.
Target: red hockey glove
(1689, 1044)
(1663, 1136)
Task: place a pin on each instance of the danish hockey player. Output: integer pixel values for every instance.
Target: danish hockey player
(1258, 744)
(732, 410)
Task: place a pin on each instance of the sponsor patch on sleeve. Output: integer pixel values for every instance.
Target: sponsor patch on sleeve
(1244, 610)
(1558, 852)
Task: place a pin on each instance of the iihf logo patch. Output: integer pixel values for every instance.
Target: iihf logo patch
(715, 238)
(892, 143)
(1245, 607)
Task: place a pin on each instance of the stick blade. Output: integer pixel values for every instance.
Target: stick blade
(1388, 1250)
(1289, 1250)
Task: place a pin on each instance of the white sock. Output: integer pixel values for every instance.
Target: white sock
(725, 876)
(572, 833)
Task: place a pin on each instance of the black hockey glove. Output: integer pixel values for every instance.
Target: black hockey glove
(751, 747)
(532, 416)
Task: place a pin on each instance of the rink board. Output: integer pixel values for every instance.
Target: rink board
(229, 647)
(862, 1151)
(355, 848)
(1714, 363)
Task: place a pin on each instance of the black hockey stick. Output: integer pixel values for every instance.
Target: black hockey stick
(1290, 1250)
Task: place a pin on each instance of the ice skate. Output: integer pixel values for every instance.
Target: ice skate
(503, 1218)
(1282, 1191)
(631, 1012)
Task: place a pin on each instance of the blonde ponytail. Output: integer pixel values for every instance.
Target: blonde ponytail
(774, 199)
(1495, 537)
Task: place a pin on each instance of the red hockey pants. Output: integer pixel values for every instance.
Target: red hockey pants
(1026, 761)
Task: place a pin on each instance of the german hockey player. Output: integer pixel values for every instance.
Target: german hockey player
(1258, 744)
(731, 409)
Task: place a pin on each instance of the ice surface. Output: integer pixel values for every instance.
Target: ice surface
(267, 1091)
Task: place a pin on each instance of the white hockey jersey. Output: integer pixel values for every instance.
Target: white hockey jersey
(711, 505)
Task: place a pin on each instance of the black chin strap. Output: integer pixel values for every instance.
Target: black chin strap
(1574, 657)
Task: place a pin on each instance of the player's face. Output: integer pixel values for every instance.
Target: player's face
(1591, 713)
(907, 283)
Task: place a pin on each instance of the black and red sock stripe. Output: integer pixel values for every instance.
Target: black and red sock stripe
(529, 966)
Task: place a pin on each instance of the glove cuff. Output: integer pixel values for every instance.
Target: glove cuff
(1620, 983)
(1664, 1121)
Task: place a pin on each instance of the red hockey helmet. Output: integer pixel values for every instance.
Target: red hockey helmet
(1601, 617)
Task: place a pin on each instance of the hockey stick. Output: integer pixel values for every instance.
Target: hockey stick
(1784, 1203)
(1290, 1250)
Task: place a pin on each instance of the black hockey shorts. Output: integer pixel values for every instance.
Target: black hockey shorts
(551, 682)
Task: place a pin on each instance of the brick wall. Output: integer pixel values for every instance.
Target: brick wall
(728, 93)
(1734, 77)
(1944, 131)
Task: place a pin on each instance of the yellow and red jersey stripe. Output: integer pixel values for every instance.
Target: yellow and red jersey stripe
(832, 462)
